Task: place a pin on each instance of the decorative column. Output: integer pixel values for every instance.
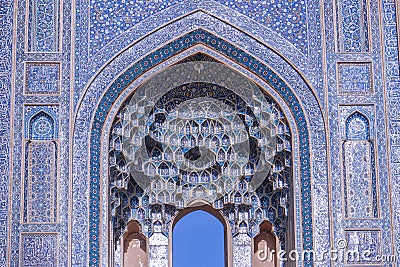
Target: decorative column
(158, 247)
(241, 245)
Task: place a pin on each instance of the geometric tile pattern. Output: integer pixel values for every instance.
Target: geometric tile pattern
(163, 33)
(204, 14)
(358, 191)
(39, 250)
(362, 247)
(357, 127)
(241, 246)
(40, 187)
(43, 26)
(355, 78)
(42, 78)
(396, 154)
(392, 72)
(84, 122)
(354, 120)
(41, 122)
(158, 249)
(384, 47)
(41, 127)
(220, 17)
(353, 26)
(208, 128)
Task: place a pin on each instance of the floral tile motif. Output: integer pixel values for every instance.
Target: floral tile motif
(43, 26)
(353, 27)
(110, 19)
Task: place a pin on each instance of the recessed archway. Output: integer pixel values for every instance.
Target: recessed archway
(272, 79)
(155, 172)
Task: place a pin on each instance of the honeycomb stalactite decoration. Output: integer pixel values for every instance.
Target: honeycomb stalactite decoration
(200, 140)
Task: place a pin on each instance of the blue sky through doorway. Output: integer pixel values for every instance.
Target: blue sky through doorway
(198, 241)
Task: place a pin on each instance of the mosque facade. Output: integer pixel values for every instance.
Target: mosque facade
(279, 118)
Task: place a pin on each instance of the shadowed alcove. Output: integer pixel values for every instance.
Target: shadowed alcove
(135, 246)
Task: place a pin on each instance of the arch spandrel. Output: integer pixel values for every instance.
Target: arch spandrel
(210, 11)
(259, 41)
(223, 11)
(102, 113)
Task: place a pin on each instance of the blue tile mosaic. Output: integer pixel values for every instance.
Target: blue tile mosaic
(353, 28)
(357, 127)
(311, 110)
(207, 134)
(6, 37)
(355, 78)
(391, 49)
(209, 15)
(362, 102)
(333, 70)
(39, 249)
(358, 156)
(40, 182)
(41, 122)
(80, 184)
(42, 78)
(110, 19)
(364, 246)
(43, 26)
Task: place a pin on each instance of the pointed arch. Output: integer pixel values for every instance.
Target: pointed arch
(257, 69)
(357, 127)
(135, 251)
(41, 126)
(358, 168)
(265, 247)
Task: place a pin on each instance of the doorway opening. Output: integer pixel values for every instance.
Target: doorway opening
(198, 240)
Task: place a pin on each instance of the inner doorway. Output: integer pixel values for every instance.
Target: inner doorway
(198, 241)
